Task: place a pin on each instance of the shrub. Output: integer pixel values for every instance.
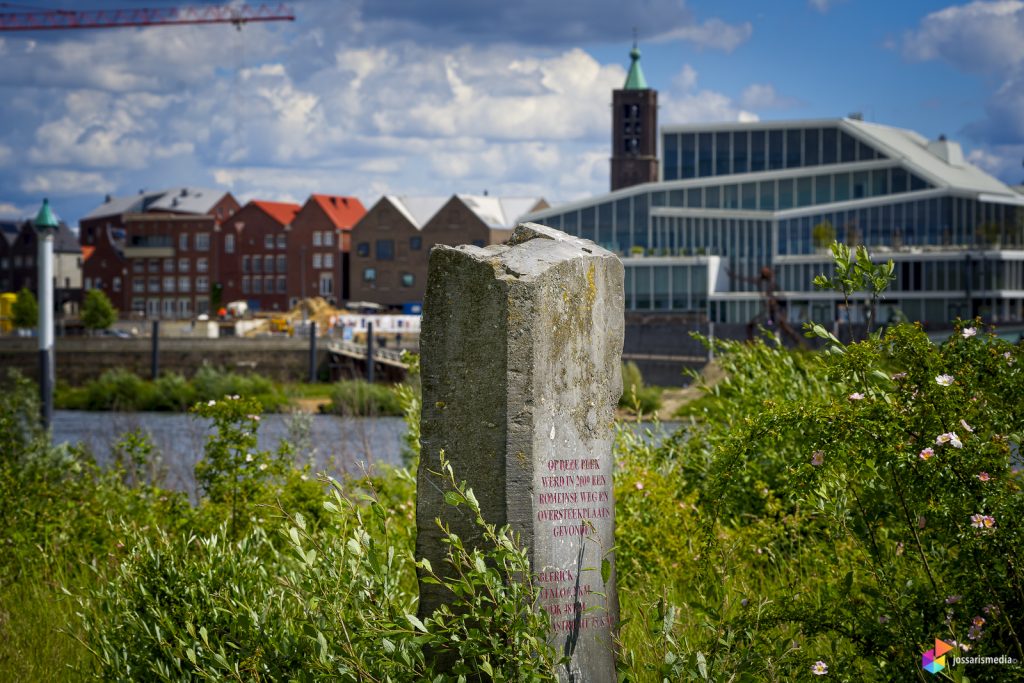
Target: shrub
(636, 397)
(362, 399)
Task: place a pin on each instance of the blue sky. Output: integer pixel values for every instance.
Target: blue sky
(366, 97)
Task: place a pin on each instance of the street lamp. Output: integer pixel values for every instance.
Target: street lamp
(46, 228)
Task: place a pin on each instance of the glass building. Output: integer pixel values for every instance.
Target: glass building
(736, 198)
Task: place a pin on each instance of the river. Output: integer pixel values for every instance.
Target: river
(329, 443)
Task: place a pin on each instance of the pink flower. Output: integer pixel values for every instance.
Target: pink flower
(983, 476)
(966, 426)
(953, 599)
(969, 332)
(639, 486)
(980, 521)
(856, 396)
(944, 380)
(926, 453)
(817, 458)
(949, 437)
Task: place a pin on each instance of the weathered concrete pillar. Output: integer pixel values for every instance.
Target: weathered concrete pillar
(521, 366)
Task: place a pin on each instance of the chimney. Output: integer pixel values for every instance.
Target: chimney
(947, 150)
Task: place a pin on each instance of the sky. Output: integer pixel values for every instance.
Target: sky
(409, 97)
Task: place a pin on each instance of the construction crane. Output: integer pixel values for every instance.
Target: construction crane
(49, 20)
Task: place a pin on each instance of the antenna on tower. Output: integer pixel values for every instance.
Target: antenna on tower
(634, 37)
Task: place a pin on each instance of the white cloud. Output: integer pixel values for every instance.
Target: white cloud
(986, 38)
(823, 6)
(10, 210)
(6, 155)
(63, 182)
(685, 104)
(980, 36)
(713, 33)
(763, 96)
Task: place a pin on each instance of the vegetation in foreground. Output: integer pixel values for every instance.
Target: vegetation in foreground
(828, 518)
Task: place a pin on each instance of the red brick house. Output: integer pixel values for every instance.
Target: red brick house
(258, 254)
(321, 233)
(103, 238)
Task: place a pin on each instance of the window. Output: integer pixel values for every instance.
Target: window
(169, 283)
(282, 263)
(138, 265)
(282, 241)
(268, 241)
(415, 243)
(317, 242)
(138, 285)
(229, 242)
(117, 283)
(326, 284)
(183, 284)
(154, 265)
(202, 284)
(268, 264)
(183, 265)
(201, 265)
(257, 285)
(245, 284)
(203, 241)
(408, 279)
(168, 265)
(282, 284)
(328, 260)
(183, 242)
(184, 308)
(328, 238)
(257, 264)
(316, 260)
(363, 248)
(385, 250)
(370, 275)
(268, 284)
(154, 283)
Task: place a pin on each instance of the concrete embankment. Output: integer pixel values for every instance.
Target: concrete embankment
(80, 359)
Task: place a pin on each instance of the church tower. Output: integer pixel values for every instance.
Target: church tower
(634, 129)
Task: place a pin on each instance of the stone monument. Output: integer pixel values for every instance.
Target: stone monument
(521, 365)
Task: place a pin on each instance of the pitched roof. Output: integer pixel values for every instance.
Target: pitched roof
(282, 212)
(197, 200)
(924, 156)
(9, 230)
(418, 210)
(115, 206)
(499, 212)
(344, 212)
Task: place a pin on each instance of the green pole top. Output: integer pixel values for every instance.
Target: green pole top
(635, 80)
(45, 220)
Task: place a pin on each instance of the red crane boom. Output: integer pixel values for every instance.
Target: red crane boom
(47, 20)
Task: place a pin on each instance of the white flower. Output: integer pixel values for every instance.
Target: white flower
(248, 457)
(263, 466)
(949, 437)
(944, 380)
(969, 332)
(966, 426)
(819, 668)
(211, 402)
(856, 396)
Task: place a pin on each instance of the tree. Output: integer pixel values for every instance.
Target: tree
(25, 311)
(97, 311)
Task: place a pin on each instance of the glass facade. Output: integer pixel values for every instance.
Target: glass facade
(698, 242)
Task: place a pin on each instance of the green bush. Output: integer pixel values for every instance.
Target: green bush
(362, 399)
(637, 397)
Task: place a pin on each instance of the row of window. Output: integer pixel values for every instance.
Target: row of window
(180, 307)
(19, 262)
(939, 221)
(264, 285)
(666, 288)
(168, 284)
(268, 264)
(385, 249)
(699, 155)
(792, 193)
(201, 241)
(922, 276)
(404, 279)
(154, 265)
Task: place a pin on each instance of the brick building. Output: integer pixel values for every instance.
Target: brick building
(103, 238)
(391, 244)
(259, 252)
(322, 232)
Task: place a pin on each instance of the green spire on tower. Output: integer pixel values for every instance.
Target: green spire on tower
(635, 80)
